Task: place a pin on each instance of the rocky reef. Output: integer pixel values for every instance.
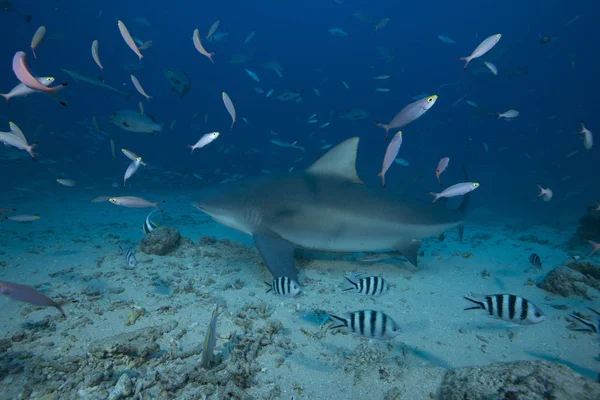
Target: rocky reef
(572, 279)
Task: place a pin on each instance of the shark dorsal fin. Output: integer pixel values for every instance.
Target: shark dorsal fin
(339, 162)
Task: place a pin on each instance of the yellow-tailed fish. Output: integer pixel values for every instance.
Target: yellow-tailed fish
(129, 40)
(199, 47)
(139, 87)
(37, 39)
(230, 108)
(95, 55)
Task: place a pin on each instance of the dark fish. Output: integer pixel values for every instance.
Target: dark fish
(590, 326)
(284, 286)
(179, 81)
(534, 259)
(29, 295)
(368, 323)
(369, 285)
(6, 6)
(507, 307)
(149, 225)
(129, 256)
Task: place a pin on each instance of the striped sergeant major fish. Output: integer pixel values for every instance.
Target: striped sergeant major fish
(507, 307)
(535, 260)
(149, 225)
(368, 323)
(284, 286)
(589, 325)
(129, 256)
(368, 286)
(210, 341)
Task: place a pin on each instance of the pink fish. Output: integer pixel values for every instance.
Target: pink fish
(441, 168)
(21, 70)
(390, 155)
(595, 249)
(29, 295)
(545, 194)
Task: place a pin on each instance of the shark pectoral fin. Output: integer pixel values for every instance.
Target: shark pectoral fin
(409, 249)
(277, 253)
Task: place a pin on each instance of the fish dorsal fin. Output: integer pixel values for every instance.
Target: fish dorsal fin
(339, 162)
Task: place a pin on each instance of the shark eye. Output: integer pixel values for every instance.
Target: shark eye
(537, 314)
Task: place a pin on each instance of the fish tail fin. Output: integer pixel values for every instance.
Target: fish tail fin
(270, 287)
(6, 96)
(473, 298)
(33, 51)
(354, 284)
(338, 322)
(467, 60)
(436, 196)
(30, 150)
(499, 115)
(210, 56)
(384, 126)
(191, 147)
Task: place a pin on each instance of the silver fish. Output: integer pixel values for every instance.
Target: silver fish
(409, 113)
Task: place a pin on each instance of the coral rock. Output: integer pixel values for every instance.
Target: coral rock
(161, 241)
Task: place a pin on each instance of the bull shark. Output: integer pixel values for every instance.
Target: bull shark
(325, 208)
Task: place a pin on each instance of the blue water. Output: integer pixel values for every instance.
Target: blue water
(558, 90)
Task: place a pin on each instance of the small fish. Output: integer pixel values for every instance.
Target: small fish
(96, 56)
(141, 107)
(446, 39)
(368, 286)
(172, 124)
(29, 295)
(39, 35)
(95, 123)
(346, 85)
(249, 37)
(409, 113)
(23, 218)
(270, 92)
(130, 259)
(381, 77)
(507, 307)
(133, 202)
(442, 165)
(455, 190)
(11, 139)
(286, 144)
(595, 247)
(112, 147)
(545, 194)
(132, 156)
(21, 90)
(588, 139)
(230, 108)
(571, 154)
(326, 124)
(149, 225)
(199, 47)
(213, 28)
(535, 260)
(508, 114)
(472, 103)
(402, 161)
(325, 147)
(483, 48)
(390, 155)
(284, 286)
(382, 24)
(491, 67)
(139, 87)
(311, 117)
(316, 92)
(368, 323)
(204, 140)
(338, 32)
(384, 90)
(128, 39)
(66, 182)
(312, 121)
(252, 75)
(132, 169)
(210, 341)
